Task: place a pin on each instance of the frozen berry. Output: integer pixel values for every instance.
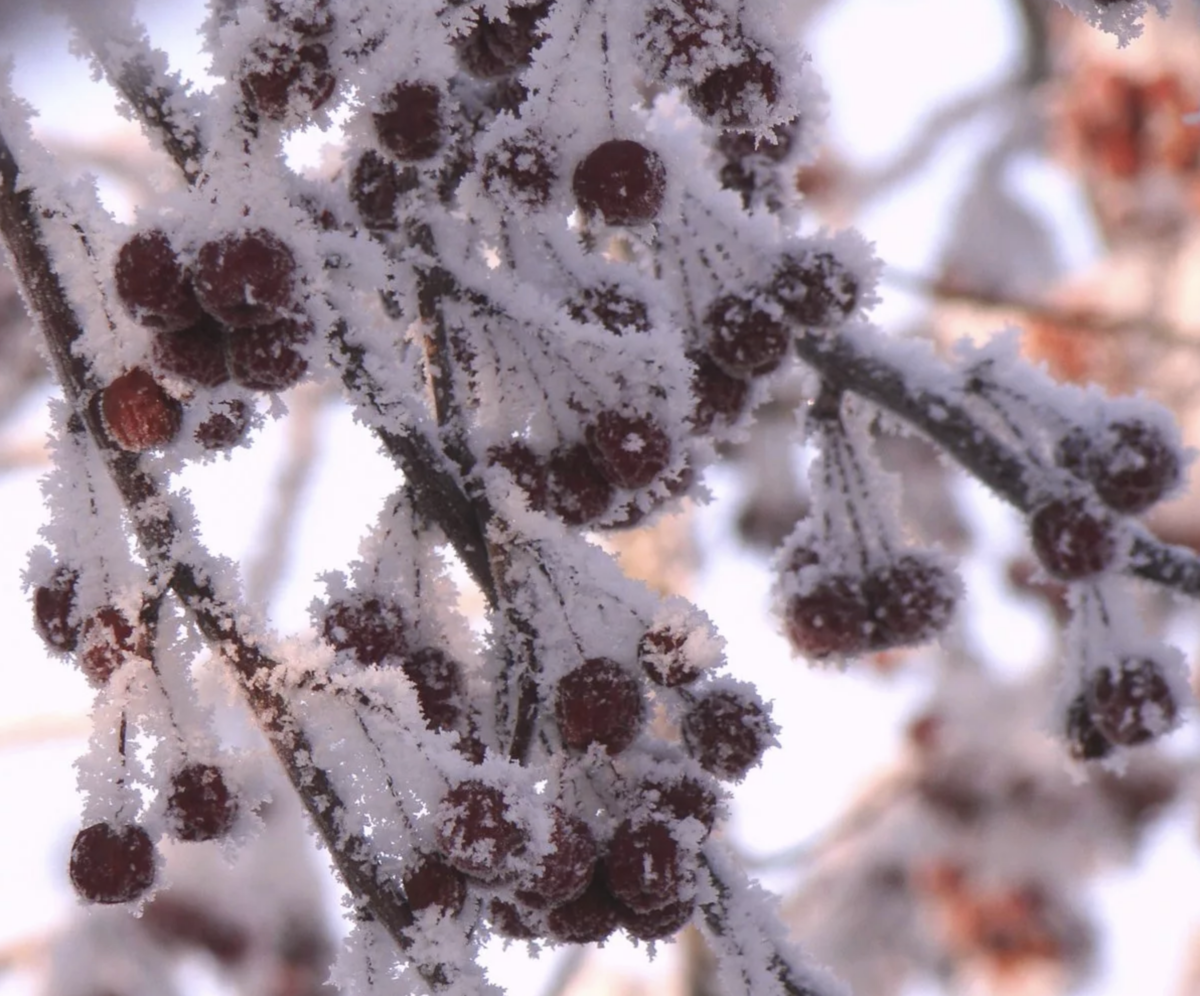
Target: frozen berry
(200, 805)
(1133, 466)
(523, 171)
(266, 358)
(154, 284)
(680, 798)
(1131, 701)
(630, 450)
(112, 864)
(409, 123)
(376, 186)
(307, 18)
(744, 338)
(195, 354)
(475, 831)
(1085, 741)
(138, 414)
(526, 468)
(910, 601)
(246, 278)
(430, 882)
(567, 869)
(621, 180)
(512, 920)
(497, 47)
(727, 733)
(599, 702)
(225, 426)
(281, 79)
(373, 630)
(106, 640)
(740, 94)
(54, 611)
(830, 619)
(590, 918)
(814, 289)
(718, 395)
(645, 866)
(438, 680)
(1073, 538)
(663, 655)
(609, 306)
(738, 145)
(657, 924)
(576, 489)
(679, 35)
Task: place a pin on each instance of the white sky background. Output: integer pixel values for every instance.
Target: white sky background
(917, 52)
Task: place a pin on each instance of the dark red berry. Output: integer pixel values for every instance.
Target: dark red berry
(814, 289)
(718, 395)
(409, 123)
(727, 733)
(741, 94)
(599, 702)
(645, 866)
(154, 284)
(438, 680)
(430, 882)
(282, 79)
(527, 469)
(475, 832)
(679, 798)
(576, 489)
(830, 619)
(498, 47)
(195, 354)
(200, 805)
(54, 611)
(138, 414)
(680, 35)
(590, 918)
(663, 655)
(1073, 538)
(910, 601)
(621, 180)
(523, 171)
(609, 306)
(744, 338)
(371, 629)
(630, 449)
(1131, 701)
(511, 920)
(1133, 466)
(225, 426)
(1085, 741)
(266, 358)
(658, 924)
(192, 923)
(106, 640)
(376, 186)
(112, 864)
(567, 869)
(246, 278)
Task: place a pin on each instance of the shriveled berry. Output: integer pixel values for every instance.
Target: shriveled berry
(200, 805)
(910, 601)
(1131, 702)
(814, 289)
(830, 619)
(1073, 538)
(630, 449)
(599, 702)
(497, 47)
(621, 180)
(373, 630)
(527, 469)
(645, 866)
(54, 611)
(1085, 740)
(512, 920)
(409, 122)
(266, 358)
(566, 871)
(475, 831)
(225, 426)
(657, 924)
(607, 305)
(745, 338)
(576, 489)
(1133, 466)
(431, 883)
(281, 79)
(138, 414)
(727, 733)
(106, 639)
(663, 656)
(718, 395)
(523, 170)
(376, 186)
(112, 864)
(246, 278)
(438, 680)
(680, 798)
(195, 354)
(740, 94)
(154, 284)
(590, 918)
